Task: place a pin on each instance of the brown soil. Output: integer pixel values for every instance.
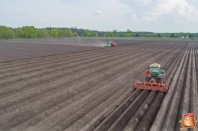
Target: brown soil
(93, 89)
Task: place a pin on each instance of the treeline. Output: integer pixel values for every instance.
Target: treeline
(32, 32)
(28, 32)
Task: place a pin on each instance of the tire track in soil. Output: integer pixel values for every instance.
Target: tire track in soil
(66, 123)
(36, 71)
(188, 96)
(74, 57)
(66, 58)
(135, 120)
(57, 99)
(100, 69)
(91, 128)
(175, 92)
(153, 109)
(38, 80)
(27, 61)
(21, 63)
(71, 129)
(37, 60)
(116, 125)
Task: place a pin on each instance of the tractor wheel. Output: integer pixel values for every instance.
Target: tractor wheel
(159, 80)
(147, 79)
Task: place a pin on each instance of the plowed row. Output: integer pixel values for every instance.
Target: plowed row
(93, 90)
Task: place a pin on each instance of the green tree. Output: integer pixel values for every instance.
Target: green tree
(108, 34)
(137, 35)
(1, 33)
(128, 33)
(122, 35)
(25, 34)
(6, 33)
(95, 34)
(68, 32)
(190, 35)
(115, 33)
(54, 33)
(31, 31)
(75, 34)
(61, 33)
(172, 35)
(87, 33)
(159, 35)
(148, 35)
(19, 33)
(45, 34)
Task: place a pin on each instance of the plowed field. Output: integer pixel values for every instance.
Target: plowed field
(94, 89)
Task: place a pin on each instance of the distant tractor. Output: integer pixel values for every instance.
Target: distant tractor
(154, 79)
(111, 44)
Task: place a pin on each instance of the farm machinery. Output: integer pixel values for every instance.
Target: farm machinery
(154, 79)
(110, 44)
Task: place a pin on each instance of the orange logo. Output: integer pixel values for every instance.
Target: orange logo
(188, 121)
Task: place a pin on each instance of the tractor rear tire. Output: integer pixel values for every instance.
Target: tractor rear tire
(147, 79)
(159, 80)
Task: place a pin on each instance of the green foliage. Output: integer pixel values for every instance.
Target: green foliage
(108, 34)
(128, 33)
(51, 32)
(115, 32)
(31, 32)
(159, 35)
(6, 33)
(61, 33)
(190, 36)
(137, 35)
(75, 34)
(44, 34)
(54, 33)
(89, 33)
(68, 32)
(95, 34)
(86, 33)
(1, 33)
(172, 35)
(19, 33)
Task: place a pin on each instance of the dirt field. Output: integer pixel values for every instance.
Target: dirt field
(20, 49)
(94, 89)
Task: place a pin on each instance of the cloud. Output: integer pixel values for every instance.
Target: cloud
(172, 12)
(97, 12)
(144, 1)
(104, 15)
(134, 17)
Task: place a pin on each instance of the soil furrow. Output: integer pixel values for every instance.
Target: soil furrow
(38, 71)
(23, 85)
(157, 125)
(93, 89)
(66, 59)
(150, 56)
(61, 91)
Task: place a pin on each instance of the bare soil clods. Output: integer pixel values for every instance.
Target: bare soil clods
(93, 89)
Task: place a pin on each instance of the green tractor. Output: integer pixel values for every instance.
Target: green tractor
(155, 72)
(110, 44)
(154, 79)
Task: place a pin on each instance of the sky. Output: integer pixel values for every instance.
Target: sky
(103, 15)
